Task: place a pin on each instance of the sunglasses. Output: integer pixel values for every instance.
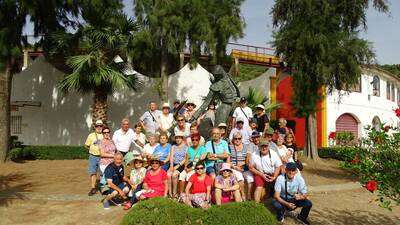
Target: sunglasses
(180, 120)
(138, 162)
(196, 139)
(106, 132)
(237, 139)
(98, 126)
(155, 162)
(226, 171)
(199, 168)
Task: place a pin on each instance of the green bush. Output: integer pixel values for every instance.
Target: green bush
(344, 138)
(48, 153)
(340, 153)
(167, 212)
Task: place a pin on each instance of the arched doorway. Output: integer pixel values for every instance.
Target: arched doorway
(347, 122)
(376, 123)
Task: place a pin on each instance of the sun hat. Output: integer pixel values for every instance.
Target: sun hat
(155, 158)
(99, 123)
(165, 105)
(260, 106)
(128, 158)
(225, 166)
(291, 166)
(222, 125)
(191, 102)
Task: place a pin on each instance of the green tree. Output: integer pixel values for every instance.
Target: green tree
(46, 16)
(99, 58)
(319, 39)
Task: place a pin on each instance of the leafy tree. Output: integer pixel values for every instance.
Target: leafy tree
(395, 68)
(319, 39)
(46, 16)
(96, 62)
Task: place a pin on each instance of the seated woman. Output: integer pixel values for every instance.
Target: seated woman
(198, 189)
(162, 151)
(136, 178)
(155, 181)
(226, 186)
(177, 164)
(148, 148)
(285, 155)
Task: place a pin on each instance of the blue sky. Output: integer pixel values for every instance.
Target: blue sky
(383, 29)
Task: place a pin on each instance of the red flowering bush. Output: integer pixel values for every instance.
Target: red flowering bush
(378, 164)
(332, 135)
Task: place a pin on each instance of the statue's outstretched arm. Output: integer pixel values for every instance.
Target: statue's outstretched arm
(203, 107)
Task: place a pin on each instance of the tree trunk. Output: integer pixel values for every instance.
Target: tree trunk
(311, 137)
(163, 74)
(5, 99)
(100, 106)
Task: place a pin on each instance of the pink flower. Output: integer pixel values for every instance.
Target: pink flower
(371, 186)
(332, 135)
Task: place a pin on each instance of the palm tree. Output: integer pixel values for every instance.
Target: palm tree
(96, 62)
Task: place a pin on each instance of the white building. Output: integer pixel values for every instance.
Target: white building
(371, 102)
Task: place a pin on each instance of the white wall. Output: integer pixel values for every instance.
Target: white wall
(363, 106)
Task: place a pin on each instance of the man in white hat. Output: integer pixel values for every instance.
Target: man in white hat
(166, 118)
(246, 133)
(92, 144)
(261, 118)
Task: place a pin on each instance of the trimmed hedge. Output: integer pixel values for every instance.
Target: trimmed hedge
(339, 153)
(48, 153)
(167, 212)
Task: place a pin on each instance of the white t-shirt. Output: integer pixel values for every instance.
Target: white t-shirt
(245, 134)
(248, 114)
(148, 149)
(151, 120)
(138, 137)
(186, 131)
(266, 164)
(166, 121)
(123, 140)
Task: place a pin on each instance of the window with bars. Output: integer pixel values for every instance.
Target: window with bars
(16, 122)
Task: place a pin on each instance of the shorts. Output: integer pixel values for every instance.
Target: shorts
(121, 186)
(198, 199)
(260, 182)
(94, 162)
(241, 176)
(210, 170)
(184, 176)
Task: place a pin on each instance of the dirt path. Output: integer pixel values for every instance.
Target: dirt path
(58, 180)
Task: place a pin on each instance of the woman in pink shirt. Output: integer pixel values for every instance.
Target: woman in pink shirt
(107, 149)
(155, 181)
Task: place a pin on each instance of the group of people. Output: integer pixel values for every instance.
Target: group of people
(164, 155)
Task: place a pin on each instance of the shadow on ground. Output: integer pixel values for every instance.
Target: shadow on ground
(9, 191)
(356, 217)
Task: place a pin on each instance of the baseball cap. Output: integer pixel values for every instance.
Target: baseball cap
(291, 166)
(269, 131)
(255, 134)
(239, 119)
(222, 125)
(99, 123)
(260, 106)
(263, 143)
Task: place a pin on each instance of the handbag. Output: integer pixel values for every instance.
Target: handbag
(299, 165)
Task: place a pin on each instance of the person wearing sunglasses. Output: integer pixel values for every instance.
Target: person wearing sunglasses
(194, 129)
(226, 186)
(217, 152)
(265, 166)
(190, 110)
(198, 189)
(137, 174)
(239, 158)
(245, 131)
(182, 126)
(92, 144)
(155, 183)
(107, 149)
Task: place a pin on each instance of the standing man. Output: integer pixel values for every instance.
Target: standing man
(150, 119)
(266, 166)
(261, 118)
(241, 129)
(244, 112)
(290, 193)
(166, 119)
(124, 137)
(92, 144)
(217, 152)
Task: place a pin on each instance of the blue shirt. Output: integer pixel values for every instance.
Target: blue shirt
(114, 173)
(295, 186)
(162, 152)
(195, 155)
(220, 148)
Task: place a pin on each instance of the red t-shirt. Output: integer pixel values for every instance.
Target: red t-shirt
(156, 182)
(199, 186)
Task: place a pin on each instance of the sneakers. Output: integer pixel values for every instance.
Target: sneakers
(281, 220)
(127, 205)
(106, 205)
(303, 221)
(92, 191)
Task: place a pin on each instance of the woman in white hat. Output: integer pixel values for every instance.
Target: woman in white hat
(166, 118)
(226, 186)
